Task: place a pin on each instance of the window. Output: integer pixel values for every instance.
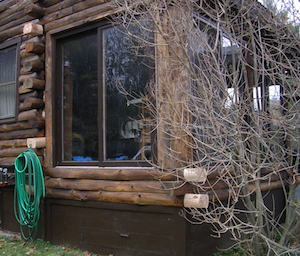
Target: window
(103, 75)
(8, 81)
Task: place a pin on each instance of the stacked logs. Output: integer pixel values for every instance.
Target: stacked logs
(30, 122)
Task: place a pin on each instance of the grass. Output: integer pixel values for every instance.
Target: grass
(14, 246)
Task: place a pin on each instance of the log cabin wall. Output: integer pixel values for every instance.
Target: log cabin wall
(30, 120)
(122, 195)
(118, 185)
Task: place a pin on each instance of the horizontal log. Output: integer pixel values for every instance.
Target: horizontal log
(33, 103)
(67, 8)
(13, 6)
(24, 90)
(6, 4)
(14, 23)
(221, 171)
(24, 77)
(27, 115)
(29, 38)
(116, 197)
(13, 143)
(178, 188)
(34, 58)
(33, 47)
(14, 152)
(15, 16)
(22, 107)
(47, 3)
(34, 10)
(33, 83)
(77, 16)
(11, 160)
(55, 8)
(24, 54)
(105, 185)
(33, 66)
(23, 134)
(89, 19)
(224, 194)
(31, 94)
(23, 72)
(116, 174)
(34, 123)
(17, 30)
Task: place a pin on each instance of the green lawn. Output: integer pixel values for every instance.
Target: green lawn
(14, 246)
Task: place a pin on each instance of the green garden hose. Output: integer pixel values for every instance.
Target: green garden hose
(27, 197)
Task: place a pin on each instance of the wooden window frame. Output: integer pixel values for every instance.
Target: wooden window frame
(53, 82)
(14, 43)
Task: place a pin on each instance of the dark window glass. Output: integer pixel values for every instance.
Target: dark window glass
(123, 72)
(7, 83)
(103, 79)
(80, 126)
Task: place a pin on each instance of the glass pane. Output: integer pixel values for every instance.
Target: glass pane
(80, 107)
(7, 100)
(125, 137)
(7, 65)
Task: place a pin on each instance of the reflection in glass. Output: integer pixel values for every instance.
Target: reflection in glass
(123, 71)
(80, 126)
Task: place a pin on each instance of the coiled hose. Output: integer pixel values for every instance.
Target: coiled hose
(27, 197)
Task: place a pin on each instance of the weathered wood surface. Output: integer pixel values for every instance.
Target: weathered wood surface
(54, 12)
(13, 143)
(22, 134)
(49, 100)
(33, 58)
(117, 174)
(32, 94)
(11, 160)
(14, 152)
(35, 122)
(116, 197)
(33, 47)
(5, 5)
(78, 16)
(26, 115)
(32, 66)
(33, 103)
(34, 10)
(105, 185)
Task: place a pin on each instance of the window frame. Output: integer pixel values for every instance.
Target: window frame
(58, 40)
(11, 44)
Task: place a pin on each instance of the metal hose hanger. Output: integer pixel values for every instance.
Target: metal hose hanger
(27, 197)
